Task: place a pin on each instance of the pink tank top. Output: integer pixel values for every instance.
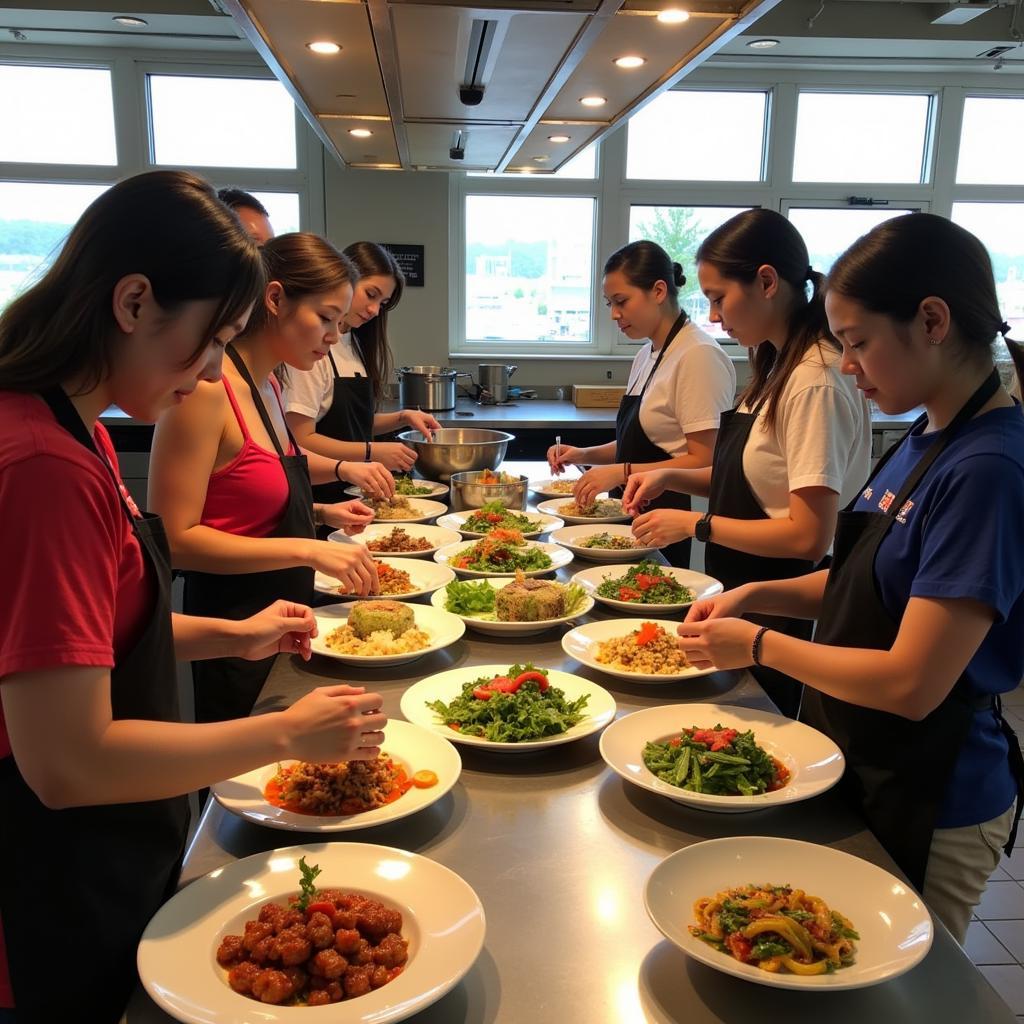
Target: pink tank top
(249, 495)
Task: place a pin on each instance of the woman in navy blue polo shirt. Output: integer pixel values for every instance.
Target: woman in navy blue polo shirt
(921, 614)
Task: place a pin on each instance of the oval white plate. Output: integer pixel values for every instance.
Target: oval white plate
(443, 628)
(542, 523)
(581, 643)
(703, 586)
(437, 490)
(894, 925)
(815, 763)
(495, 628)
(418, 749)
(446, 686)
(438, 537)
(543, 487)
(570, 536)
(442, 919)
(559, 556)
(424, 576)
(551, 507)
(423, 512)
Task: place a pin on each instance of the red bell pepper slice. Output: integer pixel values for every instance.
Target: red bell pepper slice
(500, 684)
(532, 677)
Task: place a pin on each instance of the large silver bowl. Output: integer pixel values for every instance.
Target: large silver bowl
(456, 450)
(469, 493)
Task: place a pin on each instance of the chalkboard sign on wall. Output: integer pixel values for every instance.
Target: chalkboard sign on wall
(410, 259)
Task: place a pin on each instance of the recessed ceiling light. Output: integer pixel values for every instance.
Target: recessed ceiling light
(762, 44)
(558, 138)
(541, 159)
(673, 16)
(630, 62)
(130, 20)
(324, 46)
(593, 101)
(360, 133)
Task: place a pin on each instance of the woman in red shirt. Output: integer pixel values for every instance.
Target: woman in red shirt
(153, 281)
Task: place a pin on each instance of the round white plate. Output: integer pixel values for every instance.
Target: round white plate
(437, 490)
(495, 628)
(815, 763)
(417, 749)
(443, 628)
(436, 535)
(703, 586)
(422, 512)
(581, 643)
(559, 556)
(543, 487)
(570, 536)
(424, 576)
(442, 919)
(553, 508)
(541, 523)
(895, 927)
(446, 686)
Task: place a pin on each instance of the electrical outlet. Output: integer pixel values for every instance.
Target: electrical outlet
(607, 374)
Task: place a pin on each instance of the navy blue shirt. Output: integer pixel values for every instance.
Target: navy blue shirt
(961, 535)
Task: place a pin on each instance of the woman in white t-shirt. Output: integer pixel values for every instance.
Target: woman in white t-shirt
(798, 444)
(680, 383)
(332, 409)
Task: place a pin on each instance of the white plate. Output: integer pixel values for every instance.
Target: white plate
(581, 643)
(552, 508)
(703, 586)
(815, 763)
(446, 686)
(437, 535)
(424, 576)
(417, 749)
(495, 628)
(543, 487)
(570, 536)
(443, 628)
(442, 918)
(895, 927)
(423, 511)
(437, 490)
(542, 523)
(559, 556)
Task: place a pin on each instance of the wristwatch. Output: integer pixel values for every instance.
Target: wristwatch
(702, 531)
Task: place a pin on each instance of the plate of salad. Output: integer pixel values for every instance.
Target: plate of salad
(722, 758)
(646, 587)
(503, 553)
(513, 708)
(495, 515)
(606, 542)
(409, 487)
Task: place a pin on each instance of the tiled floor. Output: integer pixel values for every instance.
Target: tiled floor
(995, 939)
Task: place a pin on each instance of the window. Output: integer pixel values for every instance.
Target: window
(221, 122)
(991, 142)
(283, 208)
(62, 115)
(829, 232)
(858, 137)
(679, 137)
(529, 268)
(582, 165)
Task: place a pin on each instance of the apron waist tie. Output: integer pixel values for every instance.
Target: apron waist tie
(1017, 769)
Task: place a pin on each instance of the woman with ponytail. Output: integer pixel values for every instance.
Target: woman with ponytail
(680, 383)
(921, 612)
(798, 443)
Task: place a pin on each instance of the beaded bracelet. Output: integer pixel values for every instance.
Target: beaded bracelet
(755, 647)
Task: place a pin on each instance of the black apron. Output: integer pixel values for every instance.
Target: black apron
(897, 770)
(731, 497)
(88, 879)
(227, 688)
(350, 418)
(633, 445)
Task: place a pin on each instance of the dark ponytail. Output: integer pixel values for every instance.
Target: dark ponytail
(753, 239)
(644, 264)
(902, 261)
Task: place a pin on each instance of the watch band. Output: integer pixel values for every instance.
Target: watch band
(702, 531)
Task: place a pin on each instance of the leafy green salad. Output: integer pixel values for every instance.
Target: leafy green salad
(646, 583)
(495, 516)
(406, 485)
(503, 551)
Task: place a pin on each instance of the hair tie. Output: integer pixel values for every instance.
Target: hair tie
(809, 274)
(1004, 328)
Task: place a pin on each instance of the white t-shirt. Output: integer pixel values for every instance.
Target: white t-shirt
(311, 392)
(694, 385)
(822, 436)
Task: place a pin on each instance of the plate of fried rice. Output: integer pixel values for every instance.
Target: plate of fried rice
(300, 797)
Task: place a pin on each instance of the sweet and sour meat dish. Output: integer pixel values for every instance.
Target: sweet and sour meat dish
(314, 958)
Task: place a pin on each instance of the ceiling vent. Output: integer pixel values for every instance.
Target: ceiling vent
(481, 53)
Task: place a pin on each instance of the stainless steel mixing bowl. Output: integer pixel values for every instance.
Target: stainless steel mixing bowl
(469, 493)
(456, 450)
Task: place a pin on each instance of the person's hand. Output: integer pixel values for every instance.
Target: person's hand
(663, 526)
(730, 605)
(335, 723)
(642, 488)
(350, 516)
(560, 456)
(717, 643)
(282, 628)
(594, 481)
(374, 480)
(416, 419)
(394, 456)
(351, 565)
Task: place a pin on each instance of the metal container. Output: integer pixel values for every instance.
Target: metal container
(493, 380)
(431, 388)
(468, 492)
(456, 450)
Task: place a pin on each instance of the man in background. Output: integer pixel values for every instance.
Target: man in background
(250, 211)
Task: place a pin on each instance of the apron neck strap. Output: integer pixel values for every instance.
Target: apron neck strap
(334, 365)
(680, 323)
(257, 400)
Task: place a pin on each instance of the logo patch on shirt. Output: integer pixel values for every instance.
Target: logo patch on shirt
(901, 516)
(129, 501)
(868, 491)
(886, 500)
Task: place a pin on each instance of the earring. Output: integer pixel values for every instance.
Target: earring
(934, 341)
